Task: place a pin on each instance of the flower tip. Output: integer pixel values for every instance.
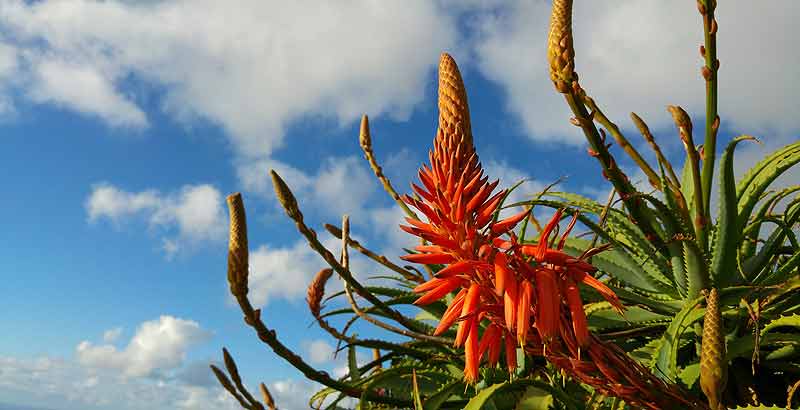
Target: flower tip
(363, 136)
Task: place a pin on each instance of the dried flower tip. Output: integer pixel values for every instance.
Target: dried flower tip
(702, 51)
(316, 290)
(223, 379)
(285, 196)
(268, 400)
(363, 136)
(237, 246)
(713, 29)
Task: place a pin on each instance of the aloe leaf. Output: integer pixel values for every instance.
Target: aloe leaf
(535, 399)
(767, 170)
(667, 352)
(751, 233)
(623, 231)
(619, 265)
(482, 399)
(765, 163)
(783, 272)
(634, 317)
(355, 374)
(440, 397)
(768, 251)
(723, 264)
(478, 402)
(790, 321)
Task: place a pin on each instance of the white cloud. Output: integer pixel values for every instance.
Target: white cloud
(319, 351)
(341, 185)
(111, 202)
(84, 89)
(111, 335)
(277, 272)
(641, 56)
(248, 68)
(54, 383)
(194, 212)
(158, 346)
(148, 373)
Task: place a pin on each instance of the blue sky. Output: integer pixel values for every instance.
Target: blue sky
(124, 124)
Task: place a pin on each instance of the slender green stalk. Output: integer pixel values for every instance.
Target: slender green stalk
(623, 142)
(709, 71)
(684, 124)
(611, 171)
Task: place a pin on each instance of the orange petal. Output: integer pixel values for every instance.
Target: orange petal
(471, 353)
(509, 223)
(479, 197)
(568, 230)
(548, 304)
(428, 258)
(449, 285)
(486, 210)
(577, 313)
(429, 248)
(510, 301)
(422, 192)
(608, 294)
(487, 339)
(543, 238)
(470, 303)
(451, 314)
(424, 287)
(524, 311)
(502, 273)
(456, 268)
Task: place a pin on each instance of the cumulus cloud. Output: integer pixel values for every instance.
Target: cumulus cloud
(194, 212)
(158, 346)
(241, 67)
(340, 185)
(86, 90)
(148, 373)
(285, 272)
(641, 56)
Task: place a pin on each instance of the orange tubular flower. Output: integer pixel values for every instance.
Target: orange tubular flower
(503, 282)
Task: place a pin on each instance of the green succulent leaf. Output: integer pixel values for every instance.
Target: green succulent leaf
(440, 397)
(758, 179)
(667, 351)
(728, 233)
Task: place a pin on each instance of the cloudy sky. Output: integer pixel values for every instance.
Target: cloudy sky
(124, 124)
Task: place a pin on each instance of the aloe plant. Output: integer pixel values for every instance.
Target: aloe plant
(712, 307)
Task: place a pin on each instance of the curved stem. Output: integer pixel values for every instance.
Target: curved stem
(366, 145)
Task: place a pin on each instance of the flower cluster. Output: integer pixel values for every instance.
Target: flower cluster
(520, 294)
(521, 290)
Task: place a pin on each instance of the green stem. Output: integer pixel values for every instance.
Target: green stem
(623, 142)
(610, 169)
(709, 71)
